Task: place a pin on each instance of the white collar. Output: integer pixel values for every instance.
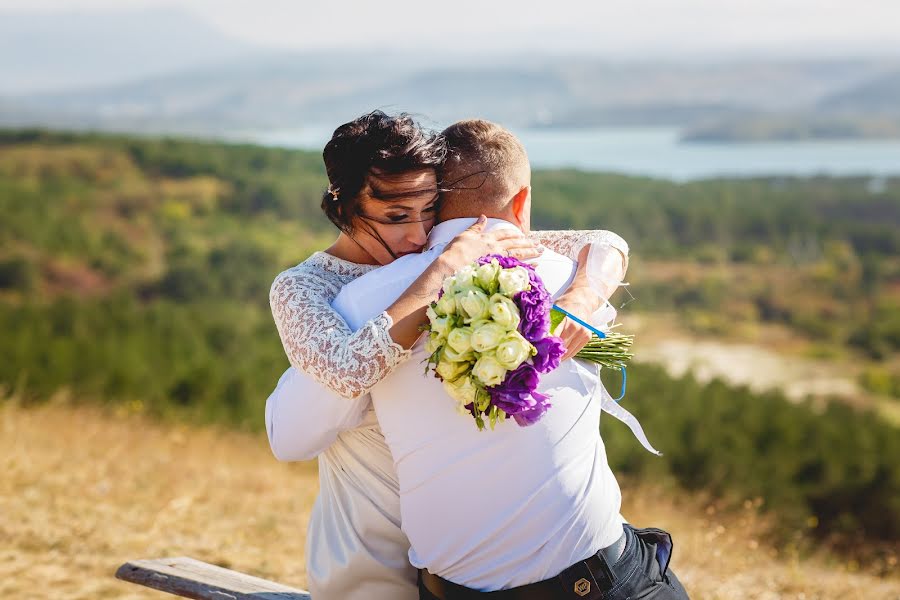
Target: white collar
(447, 230)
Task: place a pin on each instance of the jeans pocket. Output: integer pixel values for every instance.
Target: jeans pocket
(660, 543)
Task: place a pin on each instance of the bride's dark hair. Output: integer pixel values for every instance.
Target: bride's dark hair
(374, 144)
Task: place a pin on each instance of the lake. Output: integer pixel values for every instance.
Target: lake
(656, 152)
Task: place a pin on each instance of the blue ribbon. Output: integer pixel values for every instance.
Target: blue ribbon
(599, 334)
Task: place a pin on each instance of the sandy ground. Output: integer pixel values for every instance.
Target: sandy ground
(762, 358)
(83, 491)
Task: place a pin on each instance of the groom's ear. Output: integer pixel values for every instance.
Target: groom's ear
(521, 207)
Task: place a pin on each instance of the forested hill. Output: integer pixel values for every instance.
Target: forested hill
(184, 220)
(136, 272)
(664, 218)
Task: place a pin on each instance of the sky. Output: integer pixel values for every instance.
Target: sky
(626, 27)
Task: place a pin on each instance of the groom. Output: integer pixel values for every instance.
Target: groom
(532, 511)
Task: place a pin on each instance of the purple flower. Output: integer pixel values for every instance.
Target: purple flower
(535, 305)
(549, 352)
(507, 262)
(517, 395)
(535, 322)
(533, 414)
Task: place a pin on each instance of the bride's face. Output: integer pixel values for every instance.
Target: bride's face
(396, 212)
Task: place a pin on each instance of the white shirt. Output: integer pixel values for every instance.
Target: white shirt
(494, 509)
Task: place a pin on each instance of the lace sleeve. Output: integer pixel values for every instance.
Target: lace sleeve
(570, 243)
(318, 342)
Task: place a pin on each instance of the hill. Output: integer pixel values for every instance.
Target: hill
(880, 95)
(134, 272)
(260, 92)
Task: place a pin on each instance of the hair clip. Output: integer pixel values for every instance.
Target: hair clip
(334, 193)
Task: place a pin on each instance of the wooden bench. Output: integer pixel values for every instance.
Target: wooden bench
(191, 578)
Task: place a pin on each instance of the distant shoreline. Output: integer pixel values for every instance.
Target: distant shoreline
(794, 128)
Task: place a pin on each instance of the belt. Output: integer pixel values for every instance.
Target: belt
(586, 580)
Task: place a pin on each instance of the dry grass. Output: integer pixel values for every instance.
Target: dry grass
(83, 491)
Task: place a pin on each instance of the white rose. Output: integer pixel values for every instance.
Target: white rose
(433, 342)
(432, 314)
(446, 305)
(441, 326)
(487, 336)
(489, 371)
(512, 281)
(462, 390)
(473, 304)
(448, 285)
(504, 312)
(486, 275)
(455, 356)
(478, 323)
(449, 370)
(460, 339)
(464, 278)
(513, 350)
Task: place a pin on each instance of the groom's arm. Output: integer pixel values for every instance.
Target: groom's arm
(303, 417)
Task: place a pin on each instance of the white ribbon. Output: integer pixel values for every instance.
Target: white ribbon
(613, 408)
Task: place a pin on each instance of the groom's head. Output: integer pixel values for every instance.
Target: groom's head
(486, 172)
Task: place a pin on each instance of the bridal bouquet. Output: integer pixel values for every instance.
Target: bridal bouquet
(490, 339)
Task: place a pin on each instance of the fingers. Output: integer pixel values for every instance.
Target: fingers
(519, 247)
(507, 233)
(474, 242)
(524, 253)
(478, 225)
(574, 336)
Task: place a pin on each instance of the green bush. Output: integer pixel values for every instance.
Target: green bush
(839, 465)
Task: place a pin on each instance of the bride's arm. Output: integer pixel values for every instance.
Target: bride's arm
(336, 367)
(595, 280)
(325, 391)
(318, 342)
(571, 243)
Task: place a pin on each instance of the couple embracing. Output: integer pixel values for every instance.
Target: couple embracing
(414, 501)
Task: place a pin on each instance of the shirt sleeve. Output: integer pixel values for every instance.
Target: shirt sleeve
(372, 293)
(303, 418)
(319, 343)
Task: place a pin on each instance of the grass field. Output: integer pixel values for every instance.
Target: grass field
(84, 490)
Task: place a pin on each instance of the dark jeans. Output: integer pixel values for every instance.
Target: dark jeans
(642, 572)
(643, 569)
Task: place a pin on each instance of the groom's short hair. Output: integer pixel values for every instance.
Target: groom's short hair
(486, 166)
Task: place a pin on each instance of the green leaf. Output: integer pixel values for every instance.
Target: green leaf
(556, 317)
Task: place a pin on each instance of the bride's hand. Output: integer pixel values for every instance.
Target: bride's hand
(582, 300)
(574, 336)
(474, 243)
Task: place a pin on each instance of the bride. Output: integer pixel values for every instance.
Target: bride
(383, 197)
